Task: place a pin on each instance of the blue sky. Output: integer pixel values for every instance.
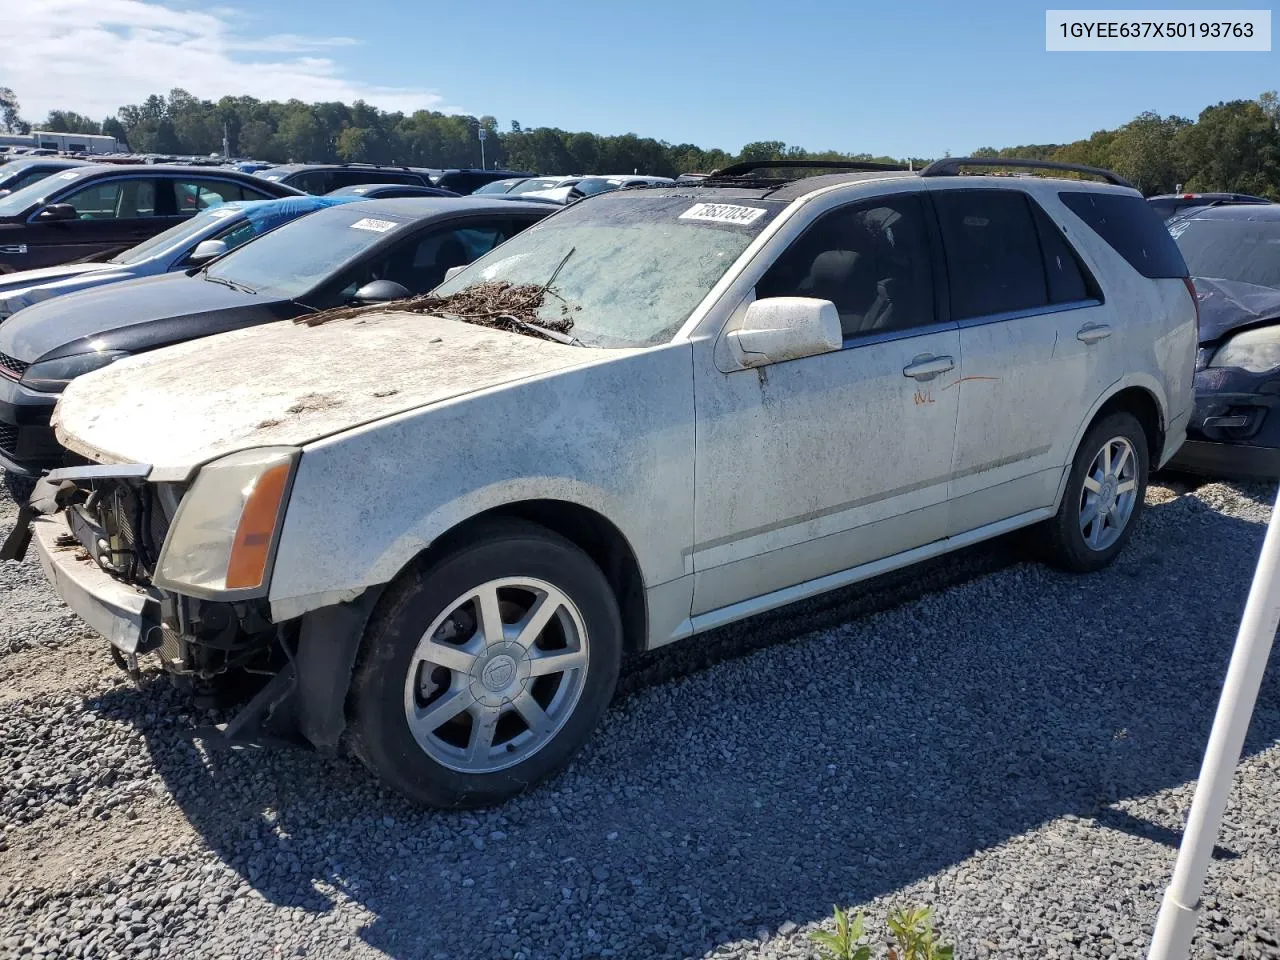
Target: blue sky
(890, 78)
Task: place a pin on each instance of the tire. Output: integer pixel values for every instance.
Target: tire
(445, 762)
(18, 487)
(1079, 546)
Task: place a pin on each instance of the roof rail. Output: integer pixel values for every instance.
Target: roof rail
(950, 167)
(747, 166)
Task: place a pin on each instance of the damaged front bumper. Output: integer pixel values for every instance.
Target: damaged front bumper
(127, 616)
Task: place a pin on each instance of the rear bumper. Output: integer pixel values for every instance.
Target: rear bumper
(124, 614)
(1228, 460)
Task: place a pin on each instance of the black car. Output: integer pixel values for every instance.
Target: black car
(1167, 205)
(17, 174)
(466, 181)
(1233, 253)
(365, 252)
(322, 178)
(87, 211)
(390, 191)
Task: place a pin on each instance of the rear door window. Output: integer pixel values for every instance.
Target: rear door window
(318, 182)
(196, 195)
(1131, 228)
(993, 252)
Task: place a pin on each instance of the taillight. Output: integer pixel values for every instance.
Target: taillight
(1191, 289)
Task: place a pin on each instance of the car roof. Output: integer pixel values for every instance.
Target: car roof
(23, 161)
(424, 207)
(1234, 211)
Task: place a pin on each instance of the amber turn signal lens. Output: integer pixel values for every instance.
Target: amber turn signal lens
(252, 545)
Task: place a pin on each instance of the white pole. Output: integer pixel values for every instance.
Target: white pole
(1176, 923)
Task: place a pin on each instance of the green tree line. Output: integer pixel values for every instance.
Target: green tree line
(1229, 146)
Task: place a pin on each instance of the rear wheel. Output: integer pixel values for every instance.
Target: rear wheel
(485, 672)
(1104, 496)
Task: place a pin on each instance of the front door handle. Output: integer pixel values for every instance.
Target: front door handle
(926, 366)
(1093, 332)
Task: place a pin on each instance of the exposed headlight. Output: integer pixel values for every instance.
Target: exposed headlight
(223, 538)
(1254, 350)
(52, 375)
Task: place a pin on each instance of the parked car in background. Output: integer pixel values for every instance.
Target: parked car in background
(533, 184)
(20, 173)
(499, 186)
(324, 178)
(88, 210)
(390, 191)
(190, 243)
(467, 181)
(360, 252)
(440, 537)
(1168, 205)
(590, 186)
(1233, 253)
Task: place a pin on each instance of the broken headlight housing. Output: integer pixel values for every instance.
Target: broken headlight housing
(1256, 350)
(223, 538)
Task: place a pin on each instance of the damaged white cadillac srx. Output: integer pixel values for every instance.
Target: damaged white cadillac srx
(439, 529)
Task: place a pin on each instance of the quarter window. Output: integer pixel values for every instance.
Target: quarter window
(870, 259)
(993, 252)
(1069, 279)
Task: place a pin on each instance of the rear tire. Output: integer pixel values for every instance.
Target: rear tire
(486, 671)
(1105, 492)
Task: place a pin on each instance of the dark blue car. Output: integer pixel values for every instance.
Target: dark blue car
(1233, 253)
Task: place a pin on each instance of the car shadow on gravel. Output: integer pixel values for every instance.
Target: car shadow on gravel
(869, 754)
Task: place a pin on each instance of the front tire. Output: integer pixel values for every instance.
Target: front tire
(486, 671)
(1106, 489)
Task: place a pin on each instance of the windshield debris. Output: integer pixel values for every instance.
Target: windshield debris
(493, 303)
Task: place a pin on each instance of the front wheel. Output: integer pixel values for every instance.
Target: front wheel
(486, 671)
(1104, 497)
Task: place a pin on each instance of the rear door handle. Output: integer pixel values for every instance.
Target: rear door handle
(1093, 332)
(926, 366)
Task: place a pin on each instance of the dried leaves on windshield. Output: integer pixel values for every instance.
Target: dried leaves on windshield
(495, 303)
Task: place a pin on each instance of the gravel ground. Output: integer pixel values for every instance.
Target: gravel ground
(1005, 743)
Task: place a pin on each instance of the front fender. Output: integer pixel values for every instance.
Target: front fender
(614, 437)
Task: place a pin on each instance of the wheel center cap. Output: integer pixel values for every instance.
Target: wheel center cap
(499, 672)
(1108, 494)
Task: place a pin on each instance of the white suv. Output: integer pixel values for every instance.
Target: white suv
(683, 405)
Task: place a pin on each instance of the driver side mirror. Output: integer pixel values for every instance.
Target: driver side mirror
(786, 328)
(381, 291)
(55, 212)
(205, 251)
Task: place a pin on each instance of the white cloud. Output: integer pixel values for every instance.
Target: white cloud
(93, 56)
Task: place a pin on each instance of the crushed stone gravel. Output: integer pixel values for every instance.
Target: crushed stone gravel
(1007, 744)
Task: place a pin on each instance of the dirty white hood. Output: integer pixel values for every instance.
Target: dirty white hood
(288, 384)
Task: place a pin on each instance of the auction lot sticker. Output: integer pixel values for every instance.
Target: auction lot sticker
(1156, 30)
(377, 226)
(722, 213)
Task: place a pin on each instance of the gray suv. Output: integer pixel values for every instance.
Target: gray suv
(655, 412)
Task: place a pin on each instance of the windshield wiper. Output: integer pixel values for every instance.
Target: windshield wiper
(550, 334)
(227, 283)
